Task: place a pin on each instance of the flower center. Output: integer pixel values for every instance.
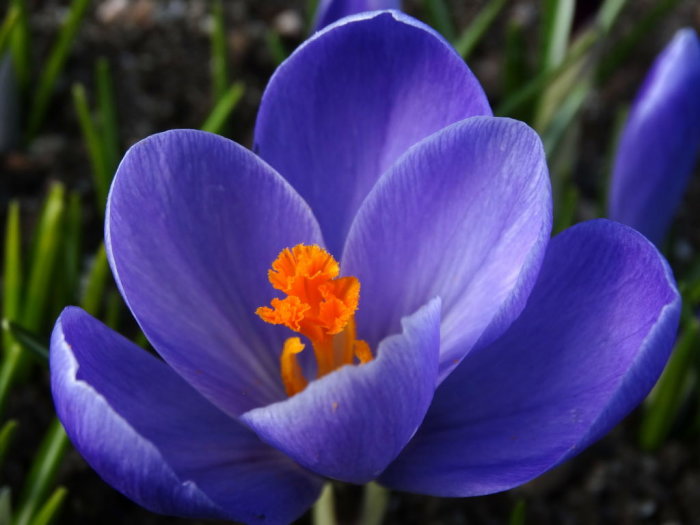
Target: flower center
(319, 305)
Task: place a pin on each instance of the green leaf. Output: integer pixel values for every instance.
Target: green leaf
(558, 16)
(113, 309)
(473, 33)
(12, 274)
(621, 50)
(107, 108)
(5, 506)
(49, 512)
(42, 473)
(45, 254)
(218, 116)
(7, 433)
(534, 87)
(275, 46)
(19, 44)
(440, 18)
(54, 65)
(663, 405)
(95, 147)
(72, 249)
(27, 340)
(219, 59)
(374, 504)
(517, 515)
(564, 117)
(323, 512)
(311, 7)
(7, 27)
(96, 280)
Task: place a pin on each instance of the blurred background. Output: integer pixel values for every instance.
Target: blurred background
(81, 80)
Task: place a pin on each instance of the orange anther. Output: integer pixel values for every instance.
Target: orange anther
(319, 305)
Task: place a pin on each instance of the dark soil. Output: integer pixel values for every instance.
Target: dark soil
(159, 54)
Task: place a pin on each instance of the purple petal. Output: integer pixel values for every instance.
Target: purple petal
(660, 142)
(193, 223)
(592, 341)
(329, 11)
(156, 440)
(465, 215)
(352, 423)
(351, 100)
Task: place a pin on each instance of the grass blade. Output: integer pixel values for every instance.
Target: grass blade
(48, 513)
(219, 62)
(544, 78)
(310, 18)
(440, 18)
(42, 473)
(28, 340)
(471, 36)
(5, 506)
(7, 433)
(106, 106)
(96, 280)
(100, 176)
(517, 515)
(558, 16)
(47, 246)
(20, 44)
(218, 116)
(665, 401)
(7, 27)
(72, 245)
(323, 511)
(629, 43)
(54, 65)
(12, 274)
(275, 46)
(374, 504)
(113, 309)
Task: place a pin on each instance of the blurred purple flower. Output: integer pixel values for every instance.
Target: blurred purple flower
(329, 11)
(497, 352)
(660, 142)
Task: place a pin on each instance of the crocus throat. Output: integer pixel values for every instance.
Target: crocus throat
(319, 305)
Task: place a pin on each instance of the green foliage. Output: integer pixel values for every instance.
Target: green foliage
(223, 109)
(54, 65)
(472, 34)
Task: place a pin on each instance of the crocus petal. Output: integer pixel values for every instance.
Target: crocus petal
(193, 223)
(351, 100)
(329, 11)
(465, 215)
(660, 142)
(155, 439)
(592, 341)
(350, 424)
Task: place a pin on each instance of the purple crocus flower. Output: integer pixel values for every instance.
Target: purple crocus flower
(660, 142)
(329, 11)
(482, 353)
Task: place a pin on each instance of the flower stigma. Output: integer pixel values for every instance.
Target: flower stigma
(320, 306)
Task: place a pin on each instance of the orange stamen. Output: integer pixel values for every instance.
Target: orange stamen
(319, 305)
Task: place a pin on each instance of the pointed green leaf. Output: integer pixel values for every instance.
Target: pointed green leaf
(94, 145)
(107, 108)
(54, 65)
(27, 340)
(42, 473)
(95, 285)
(473, 33)
(12, 274)
(49, 512)
(217, 118)
(7, 433)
